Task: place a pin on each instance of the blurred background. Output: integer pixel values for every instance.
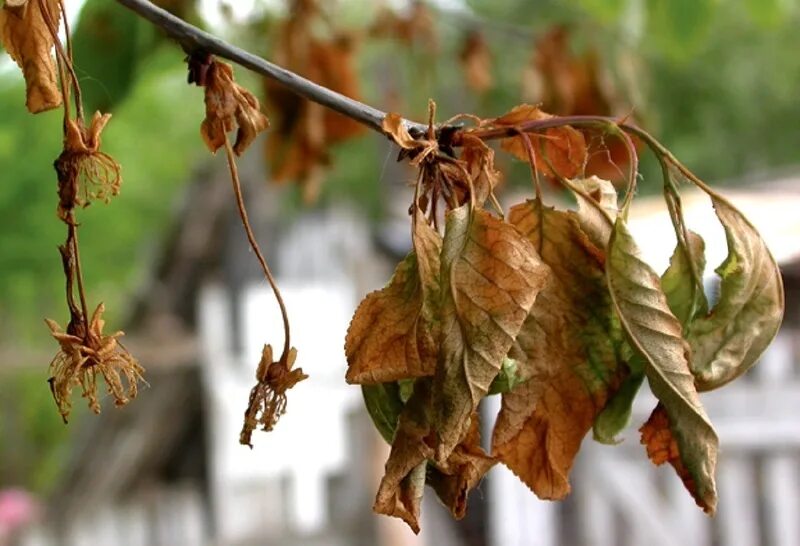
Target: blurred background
(717, 81)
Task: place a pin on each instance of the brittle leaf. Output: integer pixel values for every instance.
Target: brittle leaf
(28, 40)
(491, 276)
(656, 334)
(394, 126)
(730, 338)
(393, 333)
(568, 351)
(565, 146)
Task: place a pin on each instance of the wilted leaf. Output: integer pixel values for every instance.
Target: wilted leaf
(491, 276)
(28, 41)
(464, 469)
(568, 352)
(394, 127)
(662, 447)
(228, 106)
(384, 404)
(728, 341)
(685, 297)
(393, 332)
(617, 413)
(508, 378)
(400, 490)
(656, 334)
(565, 147)
(479, 161)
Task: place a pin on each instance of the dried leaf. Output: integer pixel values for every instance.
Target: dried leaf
(730, 338)
(400, 490)
(564, 147)
(28, 40)
(464, 469)
(393, 125)
(491, 276)
(662, 447)
(568, 352)
(479, 161)
(229, 106)
(656, 334)
(476, 62)
(393, 333)
(596, 222)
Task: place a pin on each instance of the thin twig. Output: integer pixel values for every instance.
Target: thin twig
(192, 39)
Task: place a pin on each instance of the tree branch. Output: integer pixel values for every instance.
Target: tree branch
(192, 39)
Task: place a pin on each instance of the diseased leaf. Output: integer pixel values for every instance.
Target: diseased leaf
(686, 299)
(464, 469)
(731, 337)
(491, 276)
(28, 40)
(568, 352)
(662, 447)
(400, 490)
(393, 334)
(565, 146)
(655, 333)
(384, 404)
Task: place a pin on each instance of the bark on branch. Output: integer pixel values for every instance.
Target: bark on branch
(192, 39)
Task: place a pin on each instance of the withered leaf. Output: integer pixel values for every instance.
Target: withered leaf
(229, 106)
(568, 352)
(729, 339)
(28, 40)
(491, 276)
(656, 335)
(479, 161)
(464, 469)
(400, 490)
(662, 447)
(564, 147)
(393, 333)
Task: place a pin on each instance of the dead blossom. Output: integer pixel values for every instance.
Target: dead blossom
(82, 358)
(268, 396)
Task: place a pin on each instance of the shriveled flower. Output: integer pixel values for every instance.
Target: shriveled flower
(228, 106)
(85, 174)
(268, 397)
(84, 355)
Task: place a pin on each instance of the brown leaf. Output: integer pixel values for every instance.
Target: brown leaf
(463, 470)
(394, 127)
(564, 147)
(476, 62)
(662, 448)
(28, 40)
(400, 490)
(491, 276)
(567, 350)
(228, 106)
(393, 333)
(479, 160)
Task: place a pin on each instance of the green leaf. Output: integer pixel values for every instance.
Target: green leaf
(507, 379)
(605, 10)
(729, 340)
(491, 276)
(685, 297)
(617, 414)
(384, 405)
(656, 334)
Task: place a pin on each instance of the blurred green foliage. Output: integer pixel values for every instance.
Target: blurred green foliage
(718, 82)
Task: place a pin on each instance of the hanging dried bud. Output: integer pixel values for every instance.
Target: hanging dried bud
(28, 40)
(228, 106)
(85, 174)
(268, 397)
(85, 354)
